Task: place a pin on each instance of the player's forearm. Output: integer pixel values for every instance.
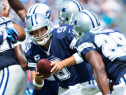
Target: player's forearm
(21, 57)
(69, 61)
(18, 7)
(95, 59)
(102, 81)
(20, 32)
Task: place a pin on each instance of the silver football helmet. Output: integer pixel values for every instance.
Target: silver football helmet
(35, 22)
(41, 9)
(67, 10)
(84, 21)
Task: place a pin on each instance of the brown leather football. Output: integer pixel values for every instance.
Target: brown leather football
(44, 67)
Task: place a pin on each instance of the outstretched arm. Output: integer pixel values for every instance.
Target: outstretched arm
(94, 58)
(18, 49)
(18, 28)
(59, 65)
(20, 31)
(19, 8)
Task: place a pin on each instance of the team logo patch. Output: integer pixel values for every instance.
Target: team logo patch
(37, 57)
(48, 13)
(63, 9)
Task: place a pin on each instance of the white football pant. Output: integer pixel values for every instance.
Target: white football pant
(13, 80)
(80, 89)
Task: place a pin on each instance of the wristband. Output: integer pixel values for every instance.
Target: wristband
(15, 44)
(38, 85)
(78, 59)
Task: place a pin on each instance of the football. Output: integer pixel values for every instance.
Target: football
(44, 67)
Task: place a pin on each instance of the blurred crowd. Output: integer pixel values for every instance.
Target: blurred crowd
(112, 13)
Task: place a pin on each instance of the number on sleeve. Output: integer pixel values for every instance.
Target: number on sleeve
(61, 29)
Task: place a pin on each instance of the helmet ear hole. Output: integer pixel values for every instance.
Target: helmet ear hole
(46, 27)
(67, 19)
(31, 33)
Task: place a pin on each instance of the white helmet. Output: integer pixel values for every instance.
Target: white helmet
(84, 21)
(35, 22)
(41, 9)
(67, 10)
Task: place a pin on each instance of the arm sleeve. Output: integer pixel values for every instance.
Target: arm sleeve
(84, 44)
(30, 59)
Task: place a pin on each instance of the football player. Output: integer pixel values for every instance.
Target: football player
(101, 48)
(10, 52)
(20, 31)
(50, 83)
(67, 10)
(108, 44)
(51, 86)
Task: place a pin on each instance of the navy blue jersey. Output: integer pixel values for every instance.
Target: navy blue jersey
(61, 48)
(49, 88)
(111, 44)
(7, 54)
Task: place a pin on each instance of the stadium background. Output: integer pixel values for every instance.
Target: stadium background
(112, 14)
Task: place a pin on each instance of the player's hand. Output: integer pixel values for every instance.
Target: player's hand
(57, 66)
(39, 76)
(12, 35)
(5, 12)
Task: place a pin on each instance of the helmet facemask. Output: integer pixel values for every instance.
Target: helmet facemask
(65, 19)
(45, 37)
(40, 21)
(66, 11)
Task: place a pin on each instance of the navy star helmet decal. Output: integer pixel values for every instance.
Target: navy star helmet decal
(63, 9)
(75, 22)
